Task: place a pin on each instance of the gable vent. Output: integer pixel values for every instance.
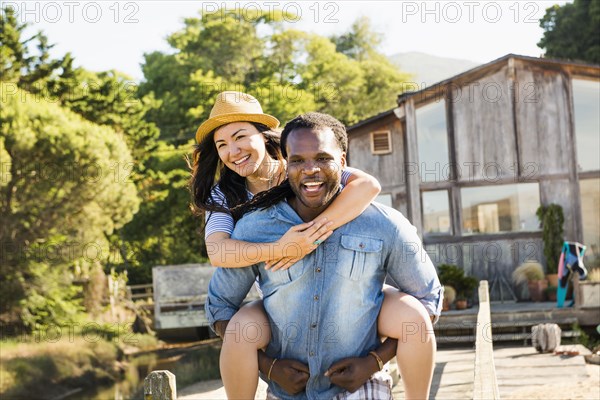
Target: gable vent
(381, 142)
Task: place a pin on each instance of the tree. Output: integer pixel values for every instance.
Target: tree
(32, 72)
(163, 232)
(572, 31)
(360, 42)
(289, 71)
(61, 193)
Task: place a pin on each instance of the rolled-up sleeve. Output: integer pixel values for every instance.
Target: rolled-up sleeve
(410, 267)
(226, 292)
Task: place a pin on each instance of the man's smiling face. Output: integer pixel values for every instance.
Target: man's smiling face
(315, 162)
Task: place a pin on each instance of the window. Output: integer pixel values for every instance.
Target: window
(381, 142)
(590, 213)
(503, 208)
(436, 213)
(586, 102)
(432, 142)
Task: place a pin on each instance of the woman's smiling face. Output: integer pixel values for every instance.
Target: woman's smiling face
(241, 147)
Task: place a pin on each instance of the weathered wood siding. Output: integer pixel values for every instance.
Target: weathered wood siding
(388, 168)
(483, 128)
(542, 109)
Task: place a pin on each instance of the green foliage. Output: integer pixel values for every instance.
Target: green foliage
(452, 275)
(288, 70)
(572, 31)
(360, 43)
(36, 73)
(164, 231)
(589, 340)
(551, 221)
(60, 197)
(57, 366)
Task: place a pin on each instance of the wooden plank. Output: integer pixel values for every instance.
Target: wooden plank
(485, 384)
(412, 162)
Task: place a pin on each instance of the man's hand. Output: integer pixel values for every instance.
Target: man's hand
(352, 373)
(291, 375)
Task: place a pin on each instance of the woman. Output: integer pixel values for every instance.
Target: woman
(238, 147)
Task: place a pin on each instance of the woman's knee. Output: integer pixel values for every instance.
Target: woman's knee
(249, 325)
(401, 312)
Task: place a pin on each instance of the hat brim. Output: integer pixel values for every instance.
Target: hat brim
(213, 123)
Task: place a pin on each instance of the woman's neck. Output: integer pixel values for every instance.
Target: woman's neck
(268, 175)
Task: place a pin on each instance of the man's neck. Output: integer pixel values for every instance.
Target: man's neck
(305, 213)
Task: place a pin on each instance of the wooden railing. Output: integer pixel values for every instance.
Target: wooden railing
(485, 384)
(139, 292)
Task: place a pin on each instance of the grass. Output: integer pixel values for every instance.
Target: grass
(47, 369)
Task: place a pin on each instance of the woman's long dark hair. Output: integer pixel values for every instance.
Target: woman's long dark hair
(208, 170)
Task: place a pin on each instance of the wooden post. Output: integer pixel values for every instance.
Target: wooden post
(485, 385)
(160, 385)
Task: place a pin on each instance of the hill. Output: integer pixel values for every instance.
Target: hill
(427, 69)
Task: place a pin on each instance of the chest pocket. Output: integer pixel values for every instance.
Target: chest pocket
(281, 277)
(357, 255)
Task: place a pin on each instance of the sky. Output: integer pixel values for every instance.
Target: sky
(112, 34)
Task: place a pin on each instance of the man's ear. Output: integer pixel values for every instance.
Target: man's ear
(343, 160)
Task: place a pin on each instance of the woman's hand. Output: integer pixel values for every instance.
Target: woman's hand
(299, 241)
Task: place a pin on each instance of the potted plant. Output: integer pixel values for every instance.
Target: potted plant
(454, 276)
(532, 273)
(449, 297)
(588, 291)
(551, 219)
(550, 292)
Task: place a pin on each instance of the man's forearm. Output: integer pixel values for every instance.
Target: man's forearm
(221, 328)
(264, 362)
(387, 350)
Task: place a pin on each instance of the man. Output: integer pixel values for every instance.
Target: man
(324, 309)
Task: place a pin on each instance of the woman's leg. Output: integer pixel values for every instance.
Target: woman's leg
(247, 332)
(404, 318)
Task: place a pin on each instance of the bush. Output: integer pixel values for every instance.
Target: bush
(451, 275)
(527, 272)
(551, 221)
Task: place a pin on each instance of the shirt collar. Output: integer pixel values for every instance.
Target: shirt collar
(284, 212)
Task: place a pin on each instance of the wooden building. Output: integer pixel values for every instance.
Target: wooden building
(470, 159)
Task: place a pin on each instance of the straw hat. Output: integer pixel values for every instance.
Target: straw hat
(234, 107)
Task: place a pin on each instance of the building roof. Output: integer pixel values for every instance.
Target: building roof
(478, 71)
(504, 59)
(370, 119)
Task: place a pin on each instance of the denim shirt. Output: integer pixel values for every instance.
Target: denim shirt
(325, 307)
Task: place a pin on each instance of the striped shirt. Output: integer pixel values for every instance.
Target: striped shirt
(223, 222)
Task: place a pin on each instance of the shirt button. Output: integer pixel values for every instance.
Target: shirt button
(313, 326)
(316, 297)
(318, 269)
(312, 353)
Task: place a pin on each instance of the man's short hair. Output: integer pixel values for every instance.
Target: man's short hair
(316, 121)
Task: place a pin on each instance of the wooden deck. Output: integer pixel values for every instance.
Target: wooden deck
(520, 371)
(511, 322)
